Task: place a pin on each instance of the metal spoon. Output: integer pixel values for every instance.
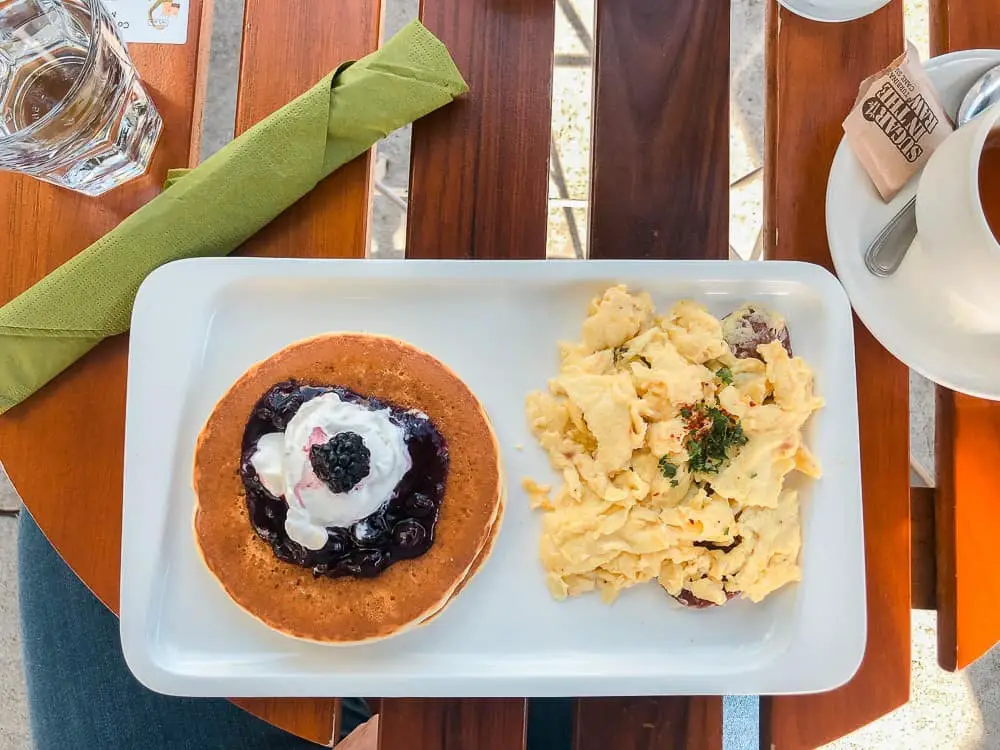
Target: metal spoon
(888, 249)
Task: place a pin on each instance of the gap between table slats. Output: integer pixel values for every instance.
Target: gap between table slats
(478, 189)
(813, 72)
(659, 189)
(923, 573)
(287, 47)
(968, 437)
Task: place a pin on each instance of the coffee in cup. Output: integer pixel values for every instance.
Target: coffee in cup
(989, 181)
(958, 223)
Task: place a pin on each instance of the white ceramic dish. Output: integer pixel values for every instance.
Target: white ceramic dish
(833, 11)
(198, 325)
(906, 312)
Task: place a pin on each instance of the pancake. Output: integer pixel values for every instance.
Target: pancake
(287, 597)
(484, 554)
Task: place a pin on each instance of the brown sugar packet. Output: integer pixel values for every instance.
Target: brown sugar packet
(896, 123)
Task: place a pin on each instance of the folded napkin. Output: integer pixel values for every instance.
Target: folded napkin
(211, 210)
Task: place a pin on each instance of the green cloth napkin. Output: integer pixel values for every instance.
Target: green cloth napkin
(211, 210)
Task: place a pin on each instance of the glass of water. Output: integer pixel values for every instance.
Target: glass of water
(72, 109)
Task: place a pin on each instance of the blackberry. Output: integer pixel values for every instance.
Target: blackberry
(341, 462)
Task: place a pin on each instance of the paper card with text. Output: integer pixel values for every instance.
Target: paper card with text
(150, 21)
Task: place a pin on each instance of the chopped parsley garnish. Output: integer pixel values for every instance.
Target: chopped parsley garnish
(668, 469)
(674, 483)
(725, 375)
(619, 353)
(712, 431)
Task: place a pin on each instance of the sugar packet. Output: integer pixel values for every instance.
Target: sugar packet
(896, 123)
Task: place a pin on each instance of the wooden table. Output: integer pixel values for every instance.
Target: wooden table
(478, 190)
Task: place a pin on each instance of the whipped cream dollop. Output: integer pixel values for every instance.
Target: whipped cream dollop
(282, 463)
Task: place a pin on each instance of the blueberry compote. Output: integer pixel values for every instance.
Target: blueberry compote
(402, 528)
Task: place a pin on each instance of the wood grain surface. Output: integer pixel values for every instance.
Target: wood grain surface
(287, 47)
(659, 184)
(968, 447)
(659, 189)
(813, 71)
(70, 477)
(648, 724)
(479, 169)
(968, 437)
(314, 719)
(482, 724)
(478, 189)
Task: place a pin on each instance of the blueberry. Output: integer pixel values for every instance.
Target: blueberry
(370, 532)
(280, 404)
(372, 562)
(408, 534)
(337, 542)
(420, 505)
(366, 563)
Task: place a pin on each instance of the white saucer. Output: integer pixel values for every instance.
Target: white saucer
(833, 10)
(907, 312)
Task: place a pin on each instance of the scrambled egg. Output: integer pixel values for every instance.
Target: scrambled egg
(673, 454)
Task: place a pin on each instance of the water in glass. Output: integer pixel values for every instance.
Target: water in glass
(72, 109)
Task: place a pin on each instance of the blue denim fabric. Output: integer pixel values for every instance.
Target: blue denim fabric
(81, 693)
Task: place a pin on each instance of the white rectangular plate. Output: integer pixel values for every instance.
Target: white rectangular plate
(198, 325)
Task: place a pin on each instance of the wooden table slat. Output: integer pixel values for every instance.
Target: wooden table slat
(479, 169)
(287, 47)
(968, 447)
(311, 718)
(452, 724)
(70, 476)
(659, 189)
(648, 724)
(478, 189)
(660, 178)
(968, 437)
(813, 72)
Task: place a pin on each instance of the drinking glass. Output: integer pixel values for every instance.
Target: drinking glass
(72, 109)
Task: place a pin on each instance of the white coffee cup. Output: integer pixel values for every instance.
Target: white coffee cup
(954, 241)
